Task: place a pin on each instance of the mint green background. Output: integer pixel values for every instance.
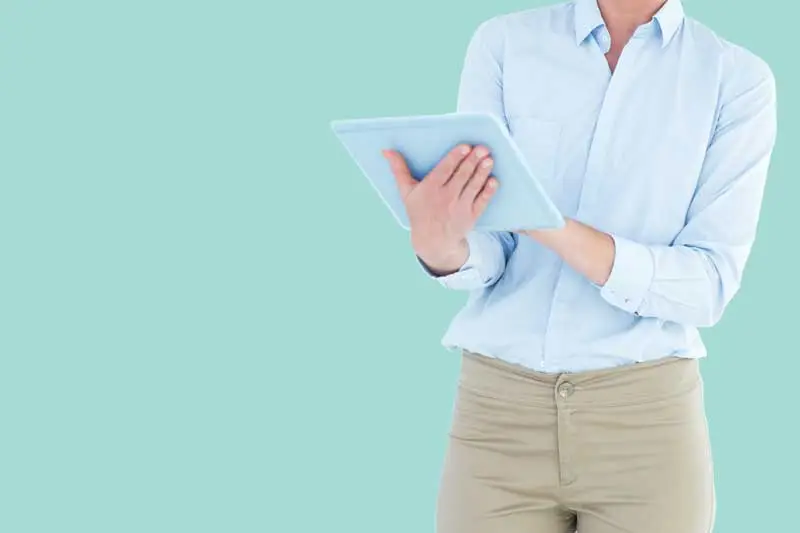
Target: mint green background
(208, 321)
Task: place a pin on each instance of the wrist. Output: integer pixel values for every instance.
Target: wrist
(443, 260)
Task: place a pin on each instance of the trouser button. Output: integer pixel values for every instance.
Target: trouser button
(566, 389)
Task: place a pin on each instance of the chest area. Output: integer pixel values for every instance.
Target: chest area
(638, 134)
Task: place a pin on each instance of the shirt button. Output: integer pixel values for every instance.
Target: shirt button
(566, 389)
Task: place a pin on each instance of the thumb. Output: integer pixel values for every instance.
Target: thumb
(405, 181)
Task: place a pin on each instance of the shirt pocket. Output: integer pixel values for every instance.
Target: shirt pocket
(539, 140)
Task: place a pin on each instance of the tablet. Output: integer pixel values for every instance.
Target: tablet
(520, 201)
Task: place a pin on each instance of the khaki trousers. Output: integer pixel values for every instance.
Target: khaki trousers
(614, 451)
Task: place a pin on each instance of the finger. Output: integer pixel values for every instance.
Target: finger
(445, 168)
(475, 184)
(467, 168)
(402, 175)
(485, 196)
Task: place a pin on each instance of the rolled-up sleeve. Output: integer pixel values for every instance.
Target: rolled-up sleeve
(488, 253)
(692, 280)
(631, 276)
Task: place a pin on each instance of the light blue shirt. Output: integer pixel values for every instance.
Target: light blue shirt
(669, 155)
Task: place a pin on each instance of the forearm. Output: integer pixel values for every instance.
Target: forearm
(679, 283)
(587, 250)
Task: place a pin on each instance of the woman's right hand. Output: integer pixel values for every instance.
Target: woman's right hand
(443, 207)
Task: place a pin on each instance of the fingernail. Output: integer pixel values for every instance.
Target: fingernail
(487, 163)
(481, 152)
(464, 150)
(492, 183)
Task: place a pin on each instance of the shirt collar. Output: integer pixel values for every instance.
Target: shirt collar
(669, 18)
(588, 18)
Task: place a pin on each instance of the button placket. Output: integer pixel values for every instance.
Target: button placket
(623, 75)
(552, 316)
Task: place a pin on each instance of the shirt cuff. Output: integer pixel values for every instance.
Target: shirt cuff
(631, 275)
(469, 275)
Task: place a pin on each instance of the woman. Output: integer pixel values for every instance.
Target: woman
(580, 400)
